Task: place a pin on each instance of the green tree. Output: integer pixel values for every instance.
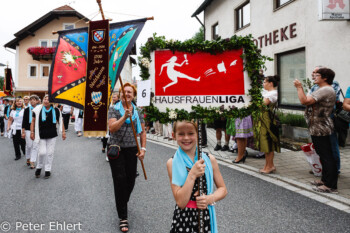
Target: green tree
(199, 36)
(1, 83)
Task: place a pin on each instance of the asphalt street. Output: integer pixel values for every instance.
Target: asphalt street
(79, 197)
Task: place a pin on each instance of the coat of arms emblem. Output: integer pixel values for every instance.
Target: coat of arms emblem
(96, 103)
(98, 35)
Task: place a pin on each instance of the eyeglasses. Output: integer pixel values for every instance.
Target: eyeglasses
(315, 75)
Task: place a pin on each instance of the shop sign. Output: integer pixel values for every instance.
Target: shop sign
(334, 9)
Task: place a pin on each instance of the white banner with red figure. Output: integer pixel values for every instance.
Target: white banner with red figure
(182, 79)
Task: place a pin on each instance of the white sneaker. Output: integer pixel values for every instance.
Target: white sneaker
(260, 155)
(234, 146)
(107, 159)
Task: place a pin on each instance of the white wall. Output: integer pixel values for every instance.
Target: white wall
(126, 74)
(326, 42)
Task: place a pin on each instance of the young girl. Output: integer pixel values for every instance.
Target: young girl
(184, 169)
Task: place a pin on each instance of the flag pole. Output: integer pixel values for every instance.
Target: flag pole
(200, 179)
(126, 103)
(148, 18)
(132, 125)
(101, 10)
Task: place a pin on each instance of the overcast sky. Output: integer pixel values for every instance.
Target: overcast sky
(172, 18)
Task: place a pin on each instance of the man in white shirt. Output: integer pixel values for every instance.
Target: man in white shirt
(67, 111)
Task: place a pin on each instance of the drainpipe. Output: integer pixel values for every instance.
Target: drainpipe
(202, 26)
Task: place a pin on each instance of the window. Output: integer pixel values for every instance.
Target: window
(53, 43)
(44, 71)
(44, 43)
(243, 15)
(290, 65)
(32, 71)
(68, 26)
(215, 31)
(282, 2)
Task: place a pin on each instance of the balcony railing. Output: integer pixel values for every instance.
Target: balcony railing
(41, 53)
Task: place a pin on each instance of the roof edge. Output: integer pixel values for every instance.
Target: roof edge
(202, 7)
(21, 34)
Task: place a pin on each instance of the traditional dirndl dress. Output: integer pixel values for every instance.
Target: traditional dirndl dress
(244, 127)
(231, 126)
(268, 142)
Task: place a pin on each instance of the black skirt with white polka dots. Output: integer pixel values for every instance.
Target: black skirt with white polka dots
(186, 220)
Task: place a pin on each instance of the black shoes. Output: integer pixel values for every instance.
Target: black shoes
(242, 160)
(47, 175)
(218, 147)
(17, 158)
(225, 148)
(222, 148)
(37, 173)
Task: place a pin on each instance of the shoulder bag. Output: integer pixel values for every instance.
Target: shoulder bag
(342, 114)
(113, 150)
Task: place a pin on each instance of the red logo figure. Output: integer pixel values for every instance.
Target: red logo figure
(333, 4)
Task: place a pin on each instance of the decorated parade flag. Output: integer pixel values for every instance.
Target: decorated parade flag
(67, 80)
(182, 79)
(8, 89)
(96, 99)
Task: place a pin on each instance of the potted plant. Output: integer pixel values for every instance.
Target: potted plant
(41, 53)
(294, 127)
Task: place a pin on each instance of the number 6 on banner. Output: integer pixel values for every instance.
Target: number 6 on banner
(143, 93)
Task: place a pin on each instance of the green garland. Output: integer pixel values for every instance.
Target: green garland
(254, 61)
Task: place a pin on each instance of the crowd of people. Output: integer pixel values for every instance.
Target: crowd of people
(183, 169)
(320, 105)
(327, 131)
(33, 127)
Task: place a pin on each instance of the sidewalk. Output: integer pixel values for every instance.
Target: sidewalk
(291, 166)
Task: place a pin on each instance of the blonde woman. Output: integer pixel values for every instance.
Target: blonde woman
(15, 123)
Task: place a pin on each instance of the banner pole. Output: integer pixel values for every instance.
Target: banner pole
(101, 10)
(132, 125)
(148, 18)
(200, 179)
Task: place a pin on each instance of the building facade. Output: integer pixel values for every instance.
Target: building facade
(290, 32)
(32, 71)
